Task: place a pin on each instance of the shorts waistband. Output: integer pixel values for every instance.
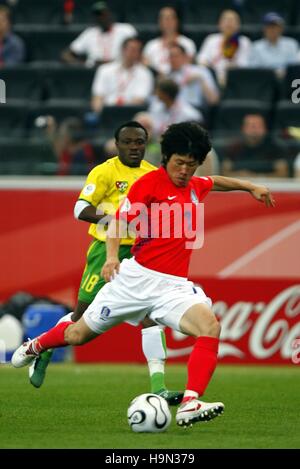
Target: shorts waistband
(155, 273)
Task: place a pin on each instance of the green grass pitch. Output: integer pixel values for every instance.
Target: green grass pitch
(84, 406)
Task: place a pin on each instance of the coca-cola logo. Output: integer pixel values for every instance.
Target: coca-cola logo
(270, 328)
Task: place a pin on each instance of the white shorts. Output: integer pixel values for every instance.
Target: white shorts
(137, 292)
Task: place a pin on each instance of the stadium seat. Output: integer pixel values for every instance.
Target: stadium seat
(142, 12)
(68, 82)
(25, 157)
(14, 119)
(45, 44)
(113, 116)
(199, 12)
(229, 116)
(22, 82)
(59, 109)
(37, 11)
(253, 11)
(82, 11)
(292, 73)
(287, 114)
(251, 83)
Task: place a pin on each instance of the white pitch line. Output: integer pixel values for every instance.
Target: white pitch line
(261, 248)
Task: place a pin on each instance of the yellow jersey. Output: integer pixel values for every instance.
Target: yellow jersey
(107, 185)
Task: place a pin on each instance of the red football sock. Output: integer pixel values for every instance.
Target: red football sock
(202, 364)
(53, 338)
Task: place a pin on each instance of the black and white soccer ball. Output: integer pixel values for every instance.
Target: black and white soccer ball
(149, 413)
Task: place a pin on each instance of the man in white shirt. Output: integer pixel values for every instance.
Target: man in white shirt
(156, 51)
(197, 85)
(99, 43)
(226, 49)
(168, 108)
(125, 82)
(274, 51)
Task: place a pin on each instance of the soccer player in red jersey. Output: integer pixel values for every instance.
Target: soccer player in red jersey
(162, 209)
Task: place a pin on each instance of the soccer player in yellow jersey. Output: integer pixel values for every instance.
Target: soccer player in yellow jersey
(106, 185)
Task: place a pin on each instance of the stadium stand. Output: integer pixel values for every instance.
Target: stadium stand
(292, 73)
(251, 83)
(26, 157)
(113, 116)
(230, 114)
(68, 83)
(287, 114)
(44, 86)
(23, 83)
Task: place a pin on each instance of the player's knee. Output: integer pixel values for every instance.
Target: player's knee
(212, 328)
(200, 321)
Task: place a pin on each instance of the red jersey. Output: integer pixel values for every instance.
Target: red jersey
(166, 219)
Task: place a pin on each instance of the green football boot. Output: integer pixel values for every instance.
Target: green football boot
(172, 397)
(37, 370)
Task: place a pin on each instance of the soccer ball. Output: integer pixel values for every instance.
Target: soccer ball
(149, 413)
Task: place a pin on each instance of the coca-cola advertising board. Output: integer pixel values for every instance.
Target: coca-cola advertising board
(260, 324)
(249, 266)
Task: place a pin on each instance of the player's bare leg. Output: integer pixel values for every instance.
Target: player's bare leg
(200, 322)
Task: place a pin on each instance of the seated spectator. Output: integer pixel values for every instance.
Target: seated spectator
(274, 51)
(75, 155)
(254, 153)
(99, 43)
(167, 108)
(12, 47)
(226, 49)
(156, 51)
(196, 82)
(125, 82)
(153, 153)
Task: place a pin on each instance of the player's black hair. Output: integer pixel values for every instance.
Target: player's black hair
(185, 138)
(132, 124)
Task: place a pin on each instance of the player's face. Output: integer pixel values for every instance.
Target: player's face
(131, 146)
(181, 168)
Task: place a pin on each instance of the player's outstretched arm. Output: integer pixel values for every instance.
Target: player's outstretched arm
(259, 192)
(113, 238)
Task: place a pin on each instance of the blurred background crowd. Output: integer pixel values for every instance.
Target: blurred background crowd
(74, 70)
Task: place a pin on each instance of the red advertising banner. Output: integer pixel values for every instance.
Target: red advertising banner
(249, 266)
(260, 324)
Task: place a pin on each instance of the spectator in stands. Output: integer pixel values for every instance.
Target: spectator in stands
(156, 51)
(168, 108)
(226, 49)
(100, 43)
(12, 48)
(274, 50)
(126, 82)
(75, 154)
(254, 153)
(196, 82)
(153, 153)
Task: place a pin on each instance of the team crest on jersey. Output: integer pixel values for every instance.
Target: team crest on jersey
(122, 186)
(194, 197)
(105, 312)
